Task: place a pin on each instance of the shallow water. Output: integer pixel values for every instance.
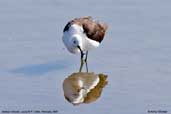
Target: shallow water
(135, 54)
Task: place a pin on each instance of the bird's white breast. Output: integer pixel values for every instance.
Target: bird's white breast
(85, 42)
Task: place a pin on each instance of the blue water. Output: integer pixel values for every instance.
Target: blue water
(135, 54)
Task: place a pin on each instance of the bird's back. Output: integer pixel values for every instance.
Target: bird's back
(94, 30)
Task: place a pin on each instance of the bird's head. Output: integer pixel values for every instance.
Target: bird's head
(76, 42)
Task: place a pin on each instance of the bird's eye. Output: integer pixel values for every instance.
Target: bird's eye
(74, 42)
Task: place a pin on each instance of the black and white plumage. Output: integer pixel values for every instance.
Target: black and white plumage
(83, 34)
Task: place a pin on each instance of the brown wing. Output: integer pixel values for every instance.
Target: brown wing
(77, 21)
(93, 29)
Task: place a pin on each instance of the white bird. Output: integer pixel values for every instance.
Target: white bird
(83, 34)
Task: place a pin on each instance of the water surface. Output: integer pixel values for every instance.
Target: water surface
(135, 54)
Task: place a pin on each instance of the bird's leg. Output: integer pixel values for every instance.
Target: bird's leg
(86, 61)
(82, 61)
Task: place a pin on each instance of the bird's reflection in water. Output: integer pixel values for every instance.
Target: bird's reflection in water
(83, 87)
